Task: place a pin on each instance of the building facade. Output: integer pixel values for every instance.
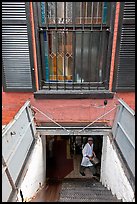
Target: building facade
(69, 50)
(71, 60)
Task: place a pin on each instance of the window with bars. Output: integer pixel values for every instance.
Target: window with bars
(74, 44)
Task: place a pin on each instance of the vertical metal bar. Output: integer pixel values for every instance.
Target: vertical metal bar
(85, 17)
(92, 15)
(81, 68)
(73, 41)
(46, 15)
(42, 55)
(56, 20)
(56, 45)
(89, 55)
(48, 56)
(73, 15)
(97, 12)
(101, 48)
(56, 60)
(102, 15)
(80, 7)
(81, 56)
(39, 13)
(64, 45)
(101, 55)
(99, 74)
(90, 41)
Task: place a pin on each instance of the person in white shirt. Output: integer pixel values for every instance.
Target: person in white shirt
(88, 153)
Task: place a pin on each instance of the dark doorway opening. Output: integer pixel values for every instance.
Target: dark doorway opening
(64, 154)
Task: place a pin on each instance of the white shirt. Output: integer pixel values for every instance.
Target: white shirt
(87, 150)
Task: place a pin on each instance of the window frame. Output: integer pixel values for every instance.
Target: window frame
(40, 29)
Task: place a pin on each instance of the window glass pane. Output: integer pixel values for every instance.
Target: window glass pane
(59, 48)
(90, 71)
(100, 12)
(78, 57)
(97, 12)
(68, 56)
(78, 12)
(104, 13)
(46, 56)
(43, 12)
(60, 12)
(95, 41)
(87, 12)
(52, 55)
(51, 12)
(85, 69)
(60, 56)
(68, 12)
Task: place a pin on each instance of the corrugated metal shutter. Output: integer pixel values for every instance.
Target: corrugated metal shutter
(126, 61)
(15, 47)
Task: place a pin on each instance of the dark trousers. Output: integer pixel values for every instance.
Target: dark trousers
(92, 169)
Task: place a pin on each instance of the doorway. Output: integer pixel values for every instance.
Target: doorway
(64, 154)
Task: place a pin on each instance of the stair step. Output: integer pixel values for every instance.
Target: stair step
(87, 200)
(85, 191)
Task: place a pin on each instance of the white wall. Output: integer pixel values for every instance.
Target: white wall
(112, 173)
(35, 176)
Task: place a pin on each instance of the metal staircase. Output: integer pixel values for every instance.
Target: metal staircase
(83, 190)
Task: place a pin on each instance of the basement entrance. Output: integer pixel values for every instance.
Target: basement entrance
(64, 154)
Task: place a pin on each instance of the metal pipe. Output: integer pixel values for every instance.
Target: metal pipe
(50, 118)
(99, 118)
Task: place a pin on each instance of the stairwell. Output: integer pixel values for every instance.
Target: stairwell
(85, 190)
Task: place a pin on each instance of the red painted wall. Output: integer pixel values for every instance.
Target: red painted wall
(69, 110)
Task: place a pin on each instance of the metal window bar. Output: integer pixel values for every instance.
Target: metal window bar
(81, 68)
(80, 8)
(83, 19)
(86, 12)
(98, 62)
(73, 42)
(56, 45)
(48, 57)
(84, 26)
(46, 19)
(39, 14)
(101, 55)
(64, 45)
(102, 15)
(89, 55)
(97, 16)
(101, 46)
(90, 40)
(92, 10)
(70, 27)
